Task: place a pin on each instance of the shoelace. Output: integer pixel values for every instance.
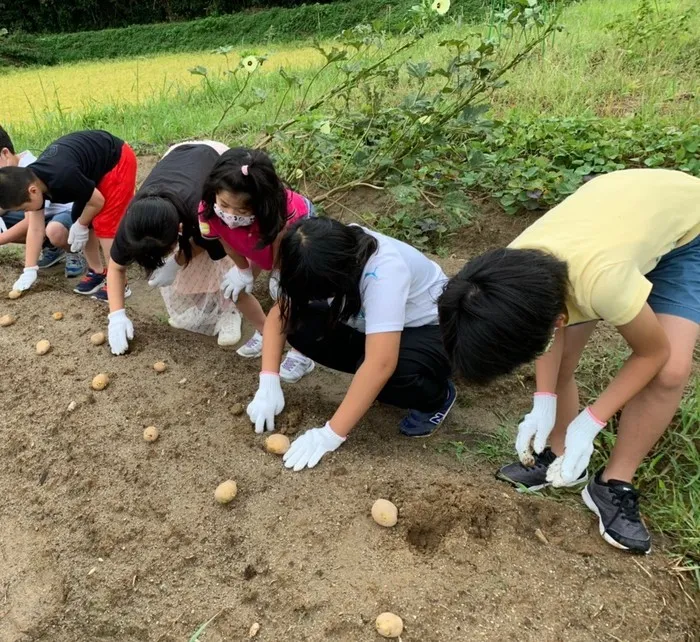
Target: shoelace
(627, 499)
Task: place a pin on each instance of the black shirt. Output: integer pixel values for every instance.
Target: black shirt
(72, 166)
(182, 172)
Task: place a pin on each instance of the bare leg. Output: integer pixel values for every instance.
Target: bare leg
(92, 254)
(575, 340)
(106, 245)
(58, 235)
(251, 310)
(646, 417)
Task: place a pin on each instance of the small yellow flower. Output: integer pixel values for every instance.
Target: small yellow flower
(325, 127)
(424, 120)
(298, 173)
(441, 6)
(250, 64)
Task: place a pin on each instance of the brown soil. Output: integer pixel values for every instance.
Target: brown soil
(104, 536)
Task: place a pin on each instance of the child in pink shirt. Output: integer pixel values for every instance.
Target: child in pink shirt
(247, 207)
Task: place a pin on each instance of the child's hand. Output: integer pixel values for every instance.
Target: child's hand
(578, 448)
(165, 275)
(268, 402)
(120, 331)
(78, 236)
(537, 424)
(236, 281)
(307, 450)
(27, 279)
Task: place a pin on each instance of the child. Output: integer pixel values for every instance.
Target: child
(247, 207)
(624, 249)
(359, 302)
(14, 225)
(94, 170)
(160, 232)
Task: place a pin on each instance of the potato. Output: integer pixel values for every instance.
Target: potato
(150, 433)
(98, 338)
(237, 409)
(159, 366)
(385, 513)
(100, 382)
(7, 319)
(15, 294)
(225, 491)
(43, 347)
(57, 316)
(389, 625)
(277, 444)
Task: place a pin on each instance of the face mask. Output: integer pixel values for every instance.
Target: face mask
(233, 220)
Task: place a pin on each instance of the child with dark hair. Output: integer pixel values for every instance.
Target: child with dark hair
(624, 248)
(57, 217)
(363, 303)
(247, 207)
(160, 232)
(94, 170)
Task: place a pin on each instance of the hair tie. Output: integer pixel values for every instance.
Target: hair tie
(244, 170)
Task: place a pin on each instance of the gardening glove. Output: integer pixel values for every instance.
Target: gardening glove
(236, 281)
(274, 284)
(78, 236)
(534, 429)
(578, 448)
(307, 450)
(268, 402)
(120, 331)
(27, 279)
(165, 275)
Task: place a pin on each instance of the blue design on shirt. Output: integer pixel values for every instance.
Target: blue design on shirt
(372, 274)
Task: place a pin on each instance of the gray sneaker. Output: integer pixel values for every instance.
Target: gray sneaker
(533, 478)
(616, 504)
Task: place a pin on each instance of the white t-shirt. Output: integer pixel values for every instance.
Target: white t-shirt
(399, 288)
(50, 209)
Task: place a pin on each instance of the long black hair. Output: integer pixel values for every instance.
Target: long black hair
(151, 227)
(264, 190)
(500, 310)
(319, 259)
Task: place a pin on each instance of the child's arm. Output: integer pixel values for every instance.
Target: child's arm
(120, 330)
(547, 366)
(79, 232)
(16, 234)
(382, 355)
(92, 208)
(35, 237)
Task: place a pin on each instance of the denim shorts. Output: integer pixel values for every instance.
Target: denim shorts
(676, 283)
(64, 218)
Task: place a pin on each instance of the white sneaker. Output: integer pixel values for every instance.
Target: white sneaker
(295, 366)
(251, 348)
(229, 328)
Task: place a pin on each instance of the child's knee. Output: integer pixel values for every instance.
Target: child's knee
(57, 234)
(675, 373)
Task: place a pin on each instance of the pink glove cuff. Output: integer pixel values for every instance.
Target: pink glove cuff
(594, 418)
(545, 394)
(270, 372)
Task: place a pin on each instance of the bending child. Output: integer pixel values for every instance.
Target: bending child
(57, 217)
(363, 303)
(94, 170)
(160, 232)
(624, 249)
(247, 207)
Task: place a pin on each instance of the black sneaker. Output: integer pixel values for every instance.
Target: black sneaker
(533, 478)
(617, 505)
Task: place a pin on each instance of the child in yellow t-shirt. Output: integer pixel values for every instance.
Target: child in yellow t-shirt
(625, 249)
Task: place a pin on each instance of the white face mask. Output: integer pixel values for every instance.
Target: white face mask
(233, 220)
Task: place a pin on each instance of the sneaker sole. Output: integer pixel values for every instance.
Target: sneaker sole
(56, 262)
(533, 489)
(313, 365)
(248, 356)
(588, 501)
(127, 294)
(97, 288)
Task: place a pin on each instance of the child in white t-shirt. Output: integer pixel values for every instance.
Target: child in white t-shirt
(363, 303)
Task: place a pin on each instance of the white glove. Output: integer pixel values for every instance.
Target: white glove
(27, 279)
(307, 450)
(268, 402)
(165, 275)
(236, 281)
(274, 284)
(78, 236)
(120, 331)
(538, 423)
(578, 448)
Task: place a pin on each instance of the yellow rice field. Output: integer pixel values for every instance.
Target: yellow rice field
(72, 88)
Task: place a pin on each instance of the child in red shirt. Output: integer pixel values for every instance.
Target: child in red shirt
(248, 208)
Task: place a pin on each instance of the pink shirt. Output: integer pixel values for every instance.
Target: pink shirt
(244, 240)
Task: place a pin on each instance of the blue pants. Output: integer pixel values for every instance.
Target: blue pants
(64, 218)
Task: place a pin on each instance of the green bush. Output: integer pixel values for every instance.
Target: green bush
(250, 27)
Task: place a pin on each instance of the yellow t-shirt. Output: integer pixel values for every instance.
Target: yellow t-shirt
(613, 231)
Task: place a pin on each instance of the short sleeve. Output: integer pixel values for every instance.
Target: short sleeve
(385, 291)
(205, 229)
(118, 253)
(619, 293)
